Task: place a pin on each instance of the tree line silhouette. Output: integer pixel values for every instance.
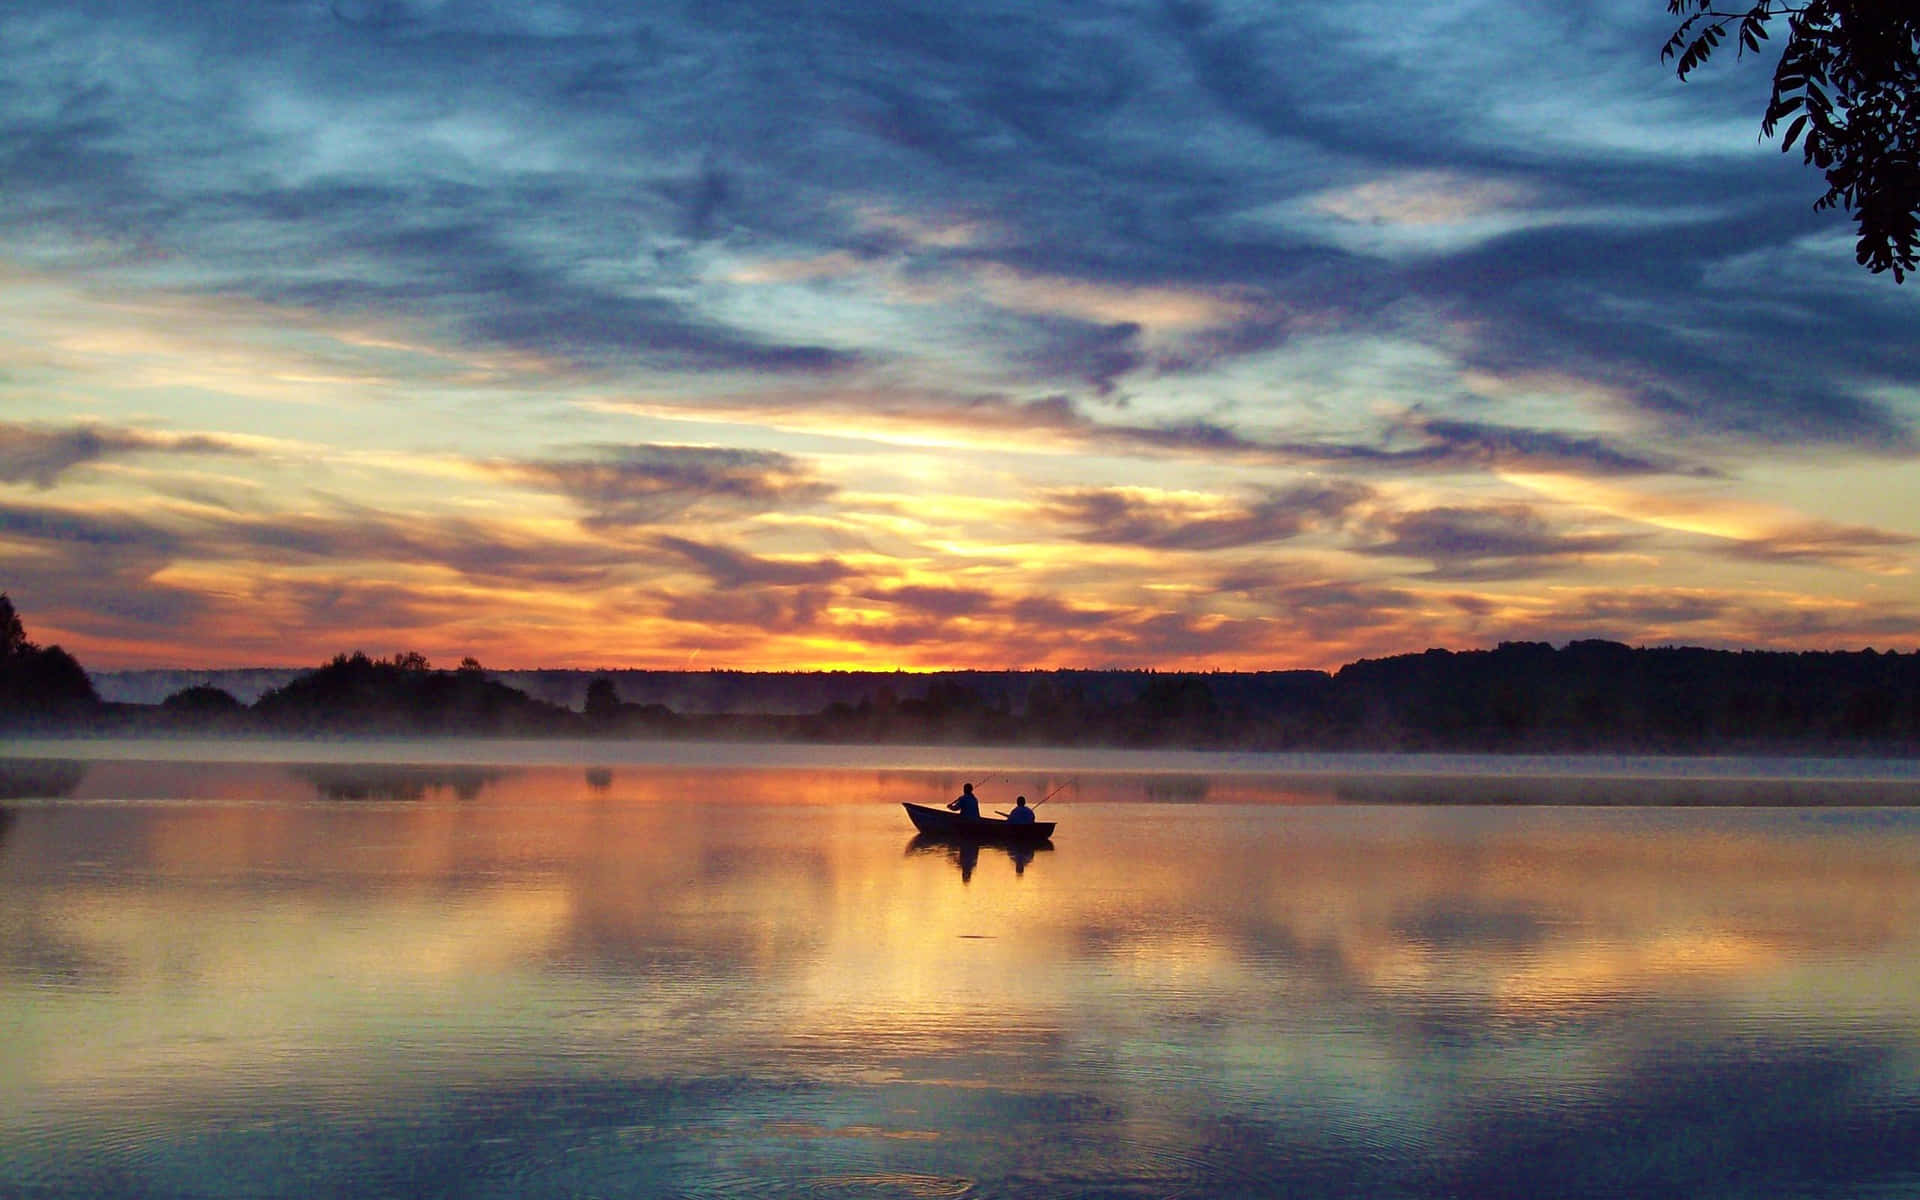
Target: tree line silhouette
(1592, 696)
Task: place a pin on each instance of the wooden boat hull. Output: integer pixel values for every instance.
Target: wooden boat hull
(938, 822)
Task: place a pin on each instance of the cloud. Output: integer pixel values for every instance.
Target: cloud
(1341, 618)
(373, 169)
(1137, 306)
(1646, 607)
(82, 530)
(560, 201)
(1126, 233)
(1860, 625)
(1415, 443)
(731, 568)
(40, 454)
(1739, 529)
(1138, 518)
(348, 607)
(349, 533)
(94, 571)
(759, 611)
(1698, 615)
(1051, 612)
(626, 486)
(1603, 304)
(1325, 603)
(600, 330)
(549, 179)
(494, 550)
(1421, 198)
(1002, 628)
(938, 601)
(945, 626)
(1459, 443)
(1060, 423)
(1501, 541)
(1828, 544)
(1435, 444)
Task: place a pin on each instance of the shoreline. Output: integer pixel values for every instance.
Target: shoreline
(1731, 767)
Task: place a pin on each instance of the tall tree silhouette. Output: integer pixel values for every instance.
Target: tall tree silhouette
(603, 702)
(13, 635)
(1848, 87)
(38, 682)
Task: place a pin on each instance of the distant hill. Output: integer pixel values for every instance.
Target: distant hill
(1590, 696)
(152, 686)
(776, 693)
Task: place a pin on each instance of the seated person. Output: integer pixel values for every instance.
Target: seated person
(966, 803)
(1021, 814)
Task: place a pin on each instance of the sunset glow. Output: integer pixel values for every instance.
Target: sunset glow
(587, 335)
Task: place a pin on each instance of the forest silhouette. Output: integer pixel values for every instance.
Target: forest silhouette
(1586, 696)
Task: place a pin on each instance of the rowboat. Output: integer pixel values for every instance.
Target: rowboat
(938, 822)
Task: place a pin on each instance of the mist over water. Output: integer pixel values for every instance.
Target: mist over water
(747, 978)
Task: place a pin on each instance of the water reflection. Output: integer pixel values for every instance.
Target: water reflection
(1178, 789)
(395, 783)
(1605, 791)
(39, 778)
(711, 982)
(965, 852)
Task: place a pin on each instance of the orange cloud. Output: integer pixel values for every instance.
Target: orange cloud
(1759, 530)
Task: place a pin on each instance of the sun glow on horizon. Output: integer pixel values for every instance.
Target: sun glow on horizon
(1100, 371)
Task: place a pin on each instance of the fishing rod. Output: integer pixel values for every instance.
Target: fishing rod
(1055, 792)
(1050, 795)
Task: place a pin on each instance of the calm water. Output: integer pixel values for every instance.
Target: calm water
(693, 979)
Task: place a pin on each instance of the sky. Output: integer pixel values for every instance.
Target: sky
(1185, 335)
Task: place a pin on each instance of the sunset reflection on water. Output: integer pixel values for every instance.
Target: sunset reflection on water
(726, 980)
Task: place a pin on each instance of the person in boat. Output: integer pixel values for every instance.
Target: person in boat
(966, 803)
(1021, 814)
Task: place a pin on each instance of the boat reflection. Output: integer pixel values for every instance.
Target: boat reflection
(964, 852)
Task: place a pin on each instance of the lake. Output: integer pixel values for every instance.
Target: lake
(592, 969)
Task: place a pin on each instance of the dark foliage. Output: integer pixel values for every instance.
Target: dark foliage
(1848, 87)
(1587, 696)
(203, 699)
(13, 635)
(203, 708)
(38, 684)
(1520, 696)
(1605, 696)
(603, 701)
(357, 694)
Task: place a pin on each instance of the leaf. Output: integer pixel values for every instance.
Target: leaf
(1781, 106)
